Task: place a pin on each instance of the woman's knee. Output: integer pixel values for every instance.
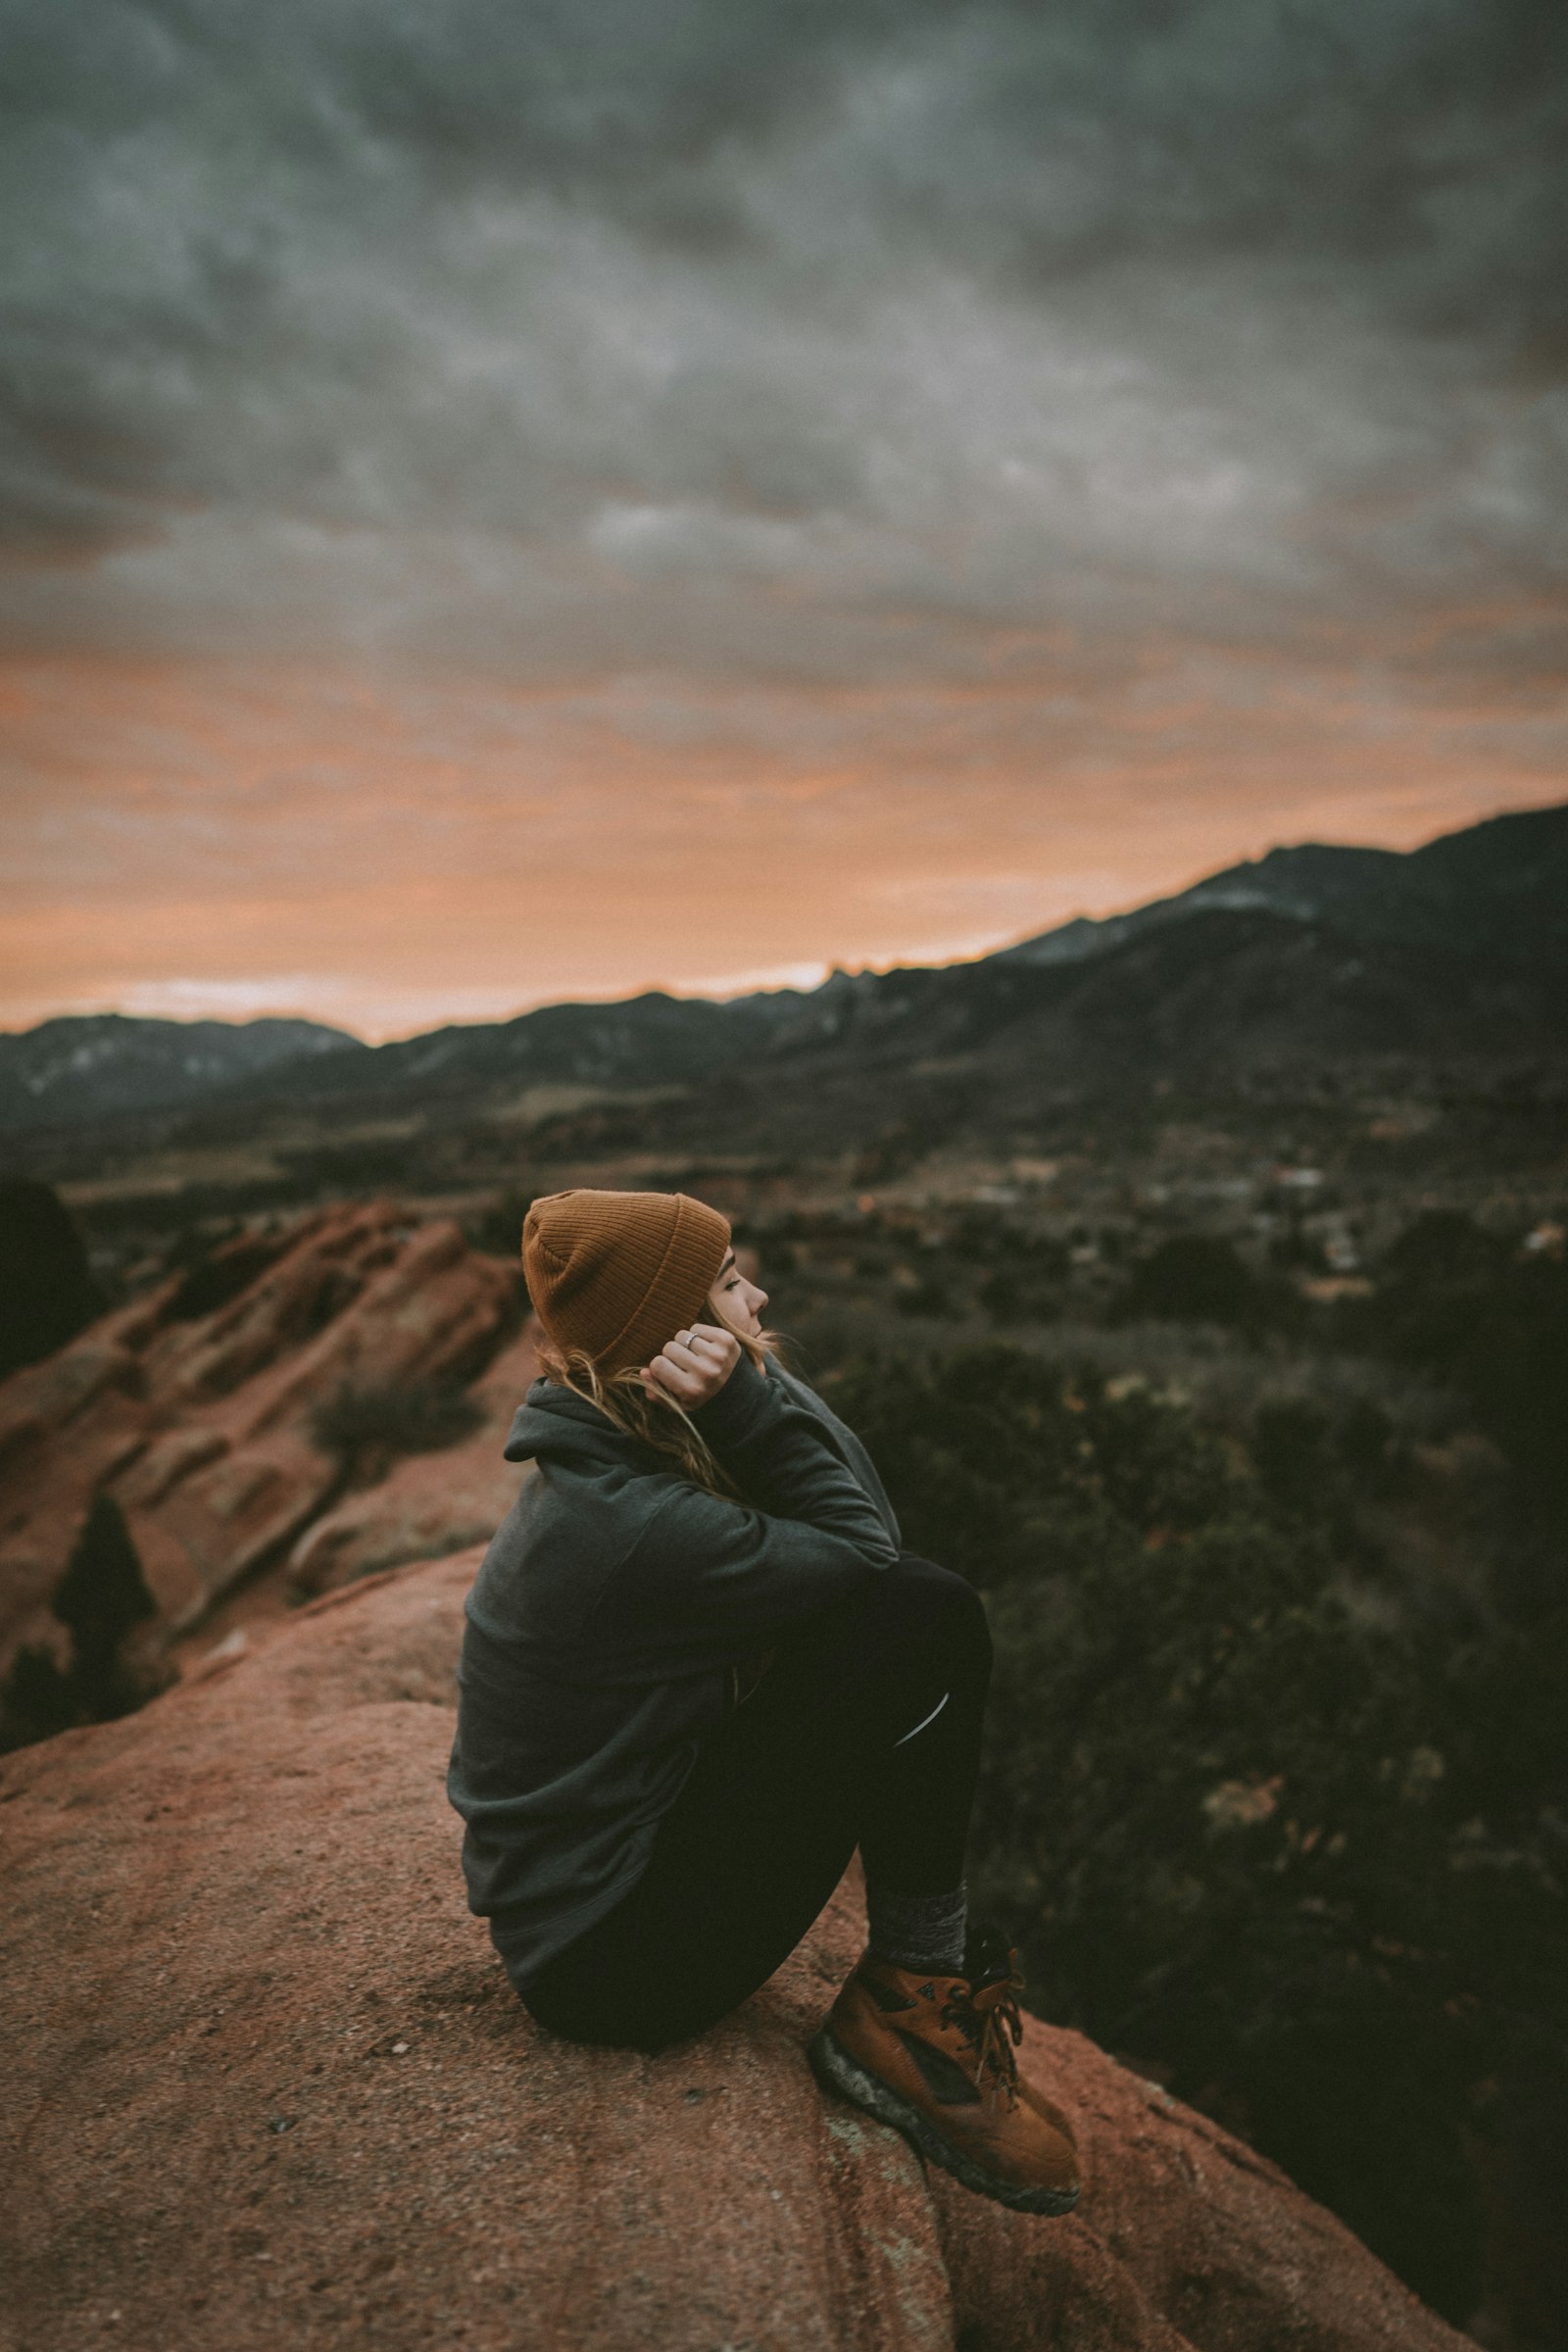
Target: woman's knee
(937, 1606)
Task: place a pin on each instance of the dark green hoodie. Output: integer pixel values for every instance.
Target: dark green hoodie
(607, 1615)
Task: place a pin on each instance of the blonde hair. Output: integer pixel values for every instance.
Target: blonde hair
(659, 1422)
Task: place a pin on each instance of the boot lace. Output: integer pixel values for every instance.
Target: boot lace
(988, 2018)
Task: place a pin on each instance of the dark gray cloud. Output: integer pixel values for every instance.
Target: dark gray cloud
(807, 341)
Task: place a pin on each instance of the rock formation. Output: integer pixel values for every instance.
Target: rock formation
(266, 2085)
(197, 1408)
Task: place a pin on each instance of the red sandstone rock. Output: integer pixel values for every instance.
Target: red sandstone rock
(201, 1426)
(428, 1503)
(264, 2084)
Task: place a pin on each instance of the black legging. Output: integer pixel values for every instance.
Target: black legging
(817, 1760)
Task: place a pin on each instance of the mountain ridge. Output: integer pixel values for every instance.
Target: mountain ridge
(97, 1064)
(1400, 897)
(1458, 948)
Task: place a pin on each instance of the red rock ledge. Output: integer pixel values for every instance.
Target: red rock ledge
(265, 2087)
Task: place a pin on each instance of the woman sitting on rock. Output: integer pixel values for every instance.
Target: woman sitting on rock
(698, 1672)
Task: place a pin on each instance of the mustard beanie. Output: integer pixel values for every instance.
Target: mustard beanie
(616, 1274)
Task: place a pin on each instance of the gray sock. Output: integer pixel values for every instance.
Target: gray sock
(923, 1932)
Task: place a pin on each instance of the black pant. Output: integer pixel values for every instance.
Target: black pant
(866, 1731)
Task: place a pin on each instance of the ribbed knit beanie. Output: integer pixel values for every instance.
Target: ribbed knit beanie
(616, 1274)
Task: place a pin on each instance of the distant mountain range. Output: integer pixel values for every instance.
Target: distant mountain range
(95, 1065)
(1497, 888)
(1309, 959)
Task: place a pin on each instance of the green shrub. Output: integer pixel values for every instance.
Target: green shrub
(37, 1700)
(497, 1225)
(1301, 1855)
(212, 1277)
(1193, 1279)
(369, 1423)
(1008, 1468)
(100, 1600)
(1471, 1307)
(927, 1297)
(1207, 1804)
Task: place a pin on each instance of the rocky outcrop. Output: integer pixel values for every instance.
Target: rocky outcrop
(197, 1408)
(266, 2085)
(427, 1504)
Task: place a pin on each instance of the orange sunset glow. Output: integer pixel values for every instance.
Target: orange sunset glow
(838, 520)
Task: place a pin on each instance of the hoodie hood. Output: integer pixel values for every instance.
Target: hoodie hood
(555, 1424)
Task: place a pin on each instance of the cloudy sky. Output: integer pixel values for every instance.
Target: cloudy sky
(510, 498)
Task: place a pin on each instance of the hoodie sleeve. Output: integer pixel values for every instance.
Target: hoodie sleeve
(709, 1579)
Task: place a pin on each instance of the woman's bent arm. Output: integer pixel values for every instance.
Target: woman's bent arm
(720, 1577)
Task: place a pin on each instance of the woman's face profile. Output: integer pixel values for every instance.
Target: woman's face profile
(741, 1298)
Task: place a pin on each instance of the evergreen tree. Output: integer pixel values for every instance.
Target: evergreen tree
(102, 1595)
(47, 1289)
(37, 1700)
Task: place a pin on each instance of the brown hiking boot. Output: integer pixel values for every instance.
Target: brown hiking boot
(934, 2057)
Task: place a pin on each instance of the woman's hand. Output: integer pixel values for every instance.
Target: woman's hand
(694, 1366)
